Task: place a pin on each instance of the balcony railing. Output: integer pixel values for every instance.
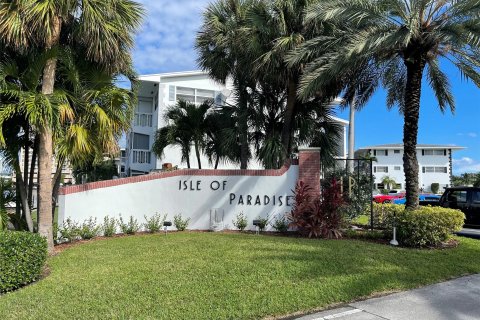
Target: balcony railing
(143, 120)
(141, 156)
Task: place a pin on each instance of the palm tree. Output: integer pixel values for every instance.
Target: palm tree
(388, 182)
(402, 37)
(187, 126)
(222, 53)
(104, 28)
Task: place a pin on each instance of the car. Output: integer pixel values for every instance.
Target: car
(388, 198)
(466, 199)
(424, 199)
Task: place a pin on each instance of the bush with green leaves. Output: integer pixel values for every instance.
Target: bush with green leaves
(180, 223)
(426, 226)
(280, 224)
(155, 222)
(69, 231)
(109, 226)
(240, 222)
(22, 258)
(130, 227)
(89, 229)
(262, 222)
(435, 187)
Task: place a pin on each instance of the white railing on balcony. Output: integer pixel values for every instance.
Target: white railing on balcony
(141, 156)
(143, 120)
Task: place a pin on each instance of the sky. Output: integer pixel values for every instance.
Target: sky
(165, 44)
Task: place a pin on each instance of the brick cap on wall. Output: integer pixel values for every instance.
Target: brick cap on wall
(177, 173)
(309, 149)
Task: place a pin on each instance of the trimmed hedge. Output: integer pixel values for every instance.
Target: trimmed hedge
(424, 227)
(22, 257)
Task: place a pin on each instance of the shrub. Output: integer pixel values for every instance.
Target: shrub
(130, 227)
(89, 229)
(22, 257)
(180, 224)
(435, 187)
(317, 217)
(240, 221)
(424, 227)
(365, 234)
(428, 226)
(280, 224)
(69, 230)
(109, 226)
(262, 223)
(155, 222)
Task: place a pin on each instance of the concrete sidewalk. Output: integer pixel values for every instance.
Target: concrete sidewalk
(455, 299)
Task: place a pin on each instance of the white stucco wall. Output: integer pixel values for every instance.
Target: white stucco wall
(163, 196)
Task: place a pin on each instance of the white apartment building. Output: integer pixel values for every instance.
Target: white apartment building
(435, 164)
(157, 92)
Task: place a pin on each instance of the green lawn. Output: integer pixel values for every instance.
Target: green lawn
(225, 276)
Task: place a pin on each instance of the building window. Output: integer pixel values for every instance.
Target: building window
(396, 151)
(381, 152)
(398, 186)
(435, 169)
(122, 169)
(380, 186)
(193, 95)
(434, 152)
(381, 169)
(397, 168)
(141, 141)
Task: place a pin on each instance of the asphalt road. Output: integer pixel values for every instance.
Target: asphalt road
(471, 233)
(451, 300)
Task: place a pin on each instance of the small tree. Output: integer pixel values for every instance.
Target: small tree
(388, 182)
(435, 187)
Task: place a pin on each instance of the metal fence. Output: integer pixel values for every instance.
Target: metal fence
(356, 180)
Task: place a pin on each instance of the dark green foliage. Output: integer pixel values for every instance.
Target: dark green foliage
(435, 187)
(280, 224)
(130, 227)
(240, 221)
(22, 257)
(179, 223)
(109, 226)
(365, 234)
(92, 171)
(155, 222)
(89, 229)
(262, 223)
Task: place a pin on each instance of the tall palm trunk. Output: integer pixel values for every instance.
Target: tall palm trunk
(413, 91)
(23, 195)
(243, 127)
(351, 135)
(197, 154)
(45, 152)
(288, 117)
(31, 173)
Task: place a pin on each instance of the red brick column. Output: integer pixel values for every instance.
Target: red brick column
(309, 167)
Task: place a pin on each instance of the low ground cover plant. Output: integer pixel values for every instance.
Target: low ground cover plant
(89, 229)
(280, 224)
(130, 227)
(69, 231)
(240, 222)
(180, 223)
(109, 226)
(22, 258)
(155, 222)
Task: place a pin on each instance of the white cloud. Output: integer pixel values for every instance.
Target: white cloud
(465, 164)
(165, 42)
(472, 134)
